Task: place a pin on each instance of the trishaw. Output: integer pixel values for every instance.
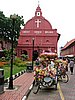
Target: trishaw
(45, 73)
(62, 75)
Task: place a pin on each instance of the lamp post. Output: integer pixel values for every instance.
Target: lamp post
(13, 17)
(32, 52)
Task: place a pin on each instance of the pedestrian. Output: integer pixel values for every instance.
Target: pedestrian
(71, 65)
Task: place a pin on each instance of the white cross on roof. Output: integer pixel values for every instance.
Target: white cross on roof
(37, 22)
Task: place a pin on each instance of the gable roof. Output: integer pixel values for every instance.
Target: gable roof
(68, 43)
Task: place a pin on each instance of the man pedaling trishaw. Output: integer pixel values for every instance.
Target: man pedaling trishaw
(45, 72)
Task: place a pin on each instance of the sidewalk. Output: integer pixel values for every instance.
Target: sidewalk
(21, 84)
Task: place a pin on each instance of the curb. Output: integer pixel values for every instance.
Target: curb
(15, 76)
(28, 92)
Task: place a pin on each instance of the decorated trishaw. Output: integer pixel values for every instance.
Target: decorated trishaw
(45, 72)
(62, 75)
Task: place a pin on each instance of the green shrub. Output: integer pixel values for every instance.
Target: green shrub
(17, 60)
(21, 65)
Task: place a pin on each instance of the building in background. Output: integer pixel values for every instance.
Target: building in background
(69, 49)
(45, 38)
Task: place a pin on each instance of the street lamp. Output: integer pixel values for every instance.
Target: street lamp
(13, 17)
(32, 52)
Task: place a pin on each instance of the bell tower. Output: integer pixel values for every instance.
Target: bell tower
(38, 11)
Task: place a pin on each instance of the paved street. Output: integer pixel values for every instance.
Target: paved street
(45, 94)
(68, 89)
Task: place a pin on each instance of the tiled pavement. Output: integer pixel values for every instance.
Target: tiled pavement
(21, 84)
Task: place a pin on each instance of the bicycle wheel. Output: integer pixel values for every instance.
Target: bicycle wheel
(36, 87)
(64, 78)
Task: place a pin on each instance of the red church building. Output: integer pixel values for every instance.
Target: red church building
(45, 38)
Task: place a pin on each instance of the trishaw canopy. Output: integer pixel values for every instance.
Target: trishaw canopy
(49, 55)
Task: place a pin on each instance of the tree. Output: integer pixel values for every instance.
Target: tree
(2, 24)
(6, 28)
(18, 22)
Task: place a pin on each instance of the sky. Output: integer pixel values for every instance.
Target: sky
(60, 13)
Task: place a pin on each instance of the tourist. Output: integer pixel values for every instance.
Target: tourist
(71, 65)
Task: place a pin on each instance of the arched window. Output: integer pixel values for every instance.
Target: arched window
(47, 41)
(24, 52)
(27, 40)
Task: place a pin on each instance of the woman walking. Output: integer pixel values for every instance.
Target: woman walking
(71, 65)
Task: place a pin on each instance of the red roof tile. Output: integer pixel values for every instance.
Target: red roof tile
(68, 43)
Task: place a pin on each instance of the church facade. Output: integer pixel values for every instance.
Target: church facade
(39, 29)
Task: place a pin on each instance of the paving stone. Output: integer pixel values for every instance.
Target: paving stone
(21, 84)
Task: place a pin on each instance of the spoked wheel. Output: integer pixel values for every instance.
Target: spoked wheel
(65, 78)
(36, 87)
(56, 82)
